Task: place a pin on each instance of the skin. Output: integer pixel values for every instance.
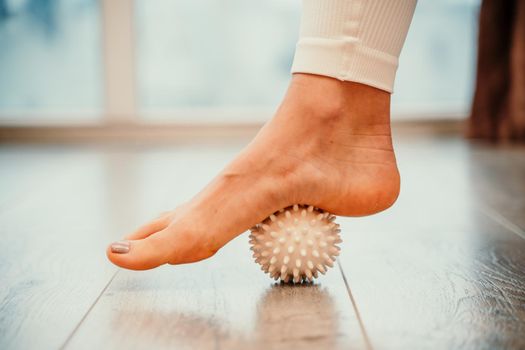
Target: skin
(329, 145)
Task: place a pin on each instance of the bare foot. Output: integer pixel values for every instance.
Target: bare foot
(329, 145)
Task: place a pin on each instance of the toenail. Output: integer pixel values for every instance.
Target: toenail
(120, 247)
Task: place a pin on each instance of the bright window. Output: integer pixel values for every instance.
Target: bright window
(214, 54)
(50, 64)
(211, 56)
(238, 53)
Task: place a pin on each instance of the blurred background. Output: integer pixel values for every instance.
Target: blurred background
(77, 62)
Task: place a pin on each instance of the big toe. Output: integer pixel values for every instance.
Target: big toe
(142, 254)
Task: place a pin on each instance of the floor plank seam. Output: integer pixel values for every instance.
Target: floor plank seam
(356, 310)
(68, 339)
(502, 220)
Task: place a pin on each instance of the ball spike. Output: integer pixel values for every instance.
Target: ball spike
(310, 264)
(298, 263)
(309, 275)
(297, 279)
(334, 251)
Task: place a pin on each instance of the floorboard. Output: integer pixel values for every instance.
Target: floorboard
(435, 271)
(222, 303)
(51, 234)
(500, 182)
(62, 206)
(443, 268)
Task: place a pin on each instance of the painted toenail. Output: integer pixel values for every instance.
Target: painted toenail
(120, 247)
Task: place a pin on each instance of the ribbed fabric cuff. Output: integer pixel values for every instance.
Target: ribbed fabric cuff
(353, 40)
(345, 60)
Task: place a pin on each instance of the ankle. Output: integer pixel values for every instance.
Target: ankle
(359, 107)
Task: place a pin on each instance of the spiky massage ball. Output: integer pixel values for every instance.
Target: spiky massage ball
(296, 243)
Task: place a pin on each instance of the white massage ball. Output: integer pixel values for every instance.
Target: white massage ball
(296, 243)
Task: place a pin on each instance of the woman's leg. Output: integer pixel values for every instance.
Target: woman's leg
(328, 145)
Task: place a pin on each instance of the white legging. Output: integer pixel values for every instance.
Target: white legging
(353, 40)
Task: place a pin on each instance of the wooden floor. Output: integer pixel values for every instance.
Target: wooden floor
(443, 269)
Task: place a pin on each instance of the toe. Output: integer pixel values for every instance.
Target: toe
(143, 254)
(151, 227)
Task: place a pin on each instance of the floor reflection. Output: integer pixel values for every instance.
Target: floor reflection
(285, 314)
